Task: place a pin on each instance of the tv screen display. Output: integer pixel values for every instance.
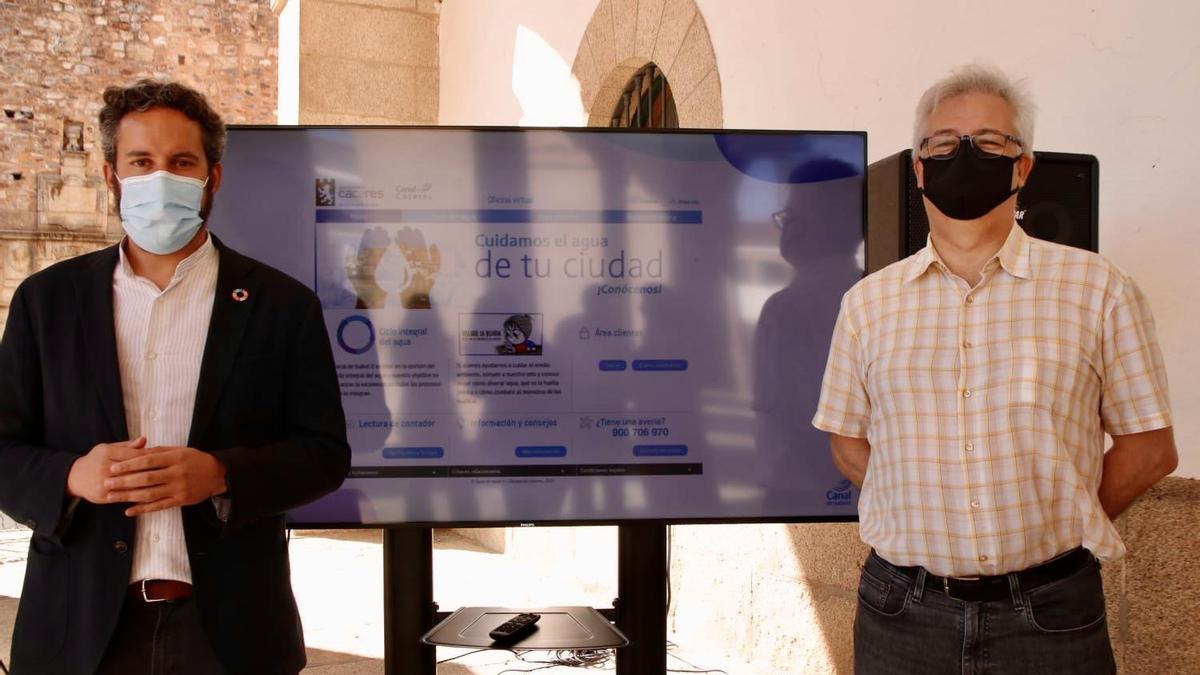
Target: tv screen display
(565, 325)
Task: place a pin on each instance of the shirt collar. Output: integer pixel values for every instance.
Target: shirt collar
(1013, 256)
(204, 255)
(921, 260)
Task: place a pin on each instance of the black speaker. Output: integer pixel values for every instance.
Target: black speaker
(1059, 203)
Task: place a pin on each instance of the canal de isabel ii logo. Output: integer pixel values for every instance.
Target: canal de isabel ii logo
(840, 494)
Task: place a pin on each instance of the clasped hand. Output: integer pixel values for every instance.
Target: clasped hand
(152, 479)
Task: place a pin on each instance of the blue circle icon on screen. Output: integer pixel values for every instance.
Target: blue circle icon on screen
(352, 338)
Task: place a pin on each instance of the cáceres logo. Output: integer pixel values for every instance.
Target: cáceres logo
(360, 193)
(326, 192)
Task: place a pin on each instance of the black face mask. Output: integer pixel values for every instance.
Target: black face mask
(968, 187)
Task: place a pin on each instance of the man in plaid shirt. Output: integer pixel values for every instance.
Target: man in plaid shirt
(968, 393)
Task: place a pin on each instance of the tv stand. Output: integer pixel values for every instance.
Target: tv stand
(639, 611)
(557, 628)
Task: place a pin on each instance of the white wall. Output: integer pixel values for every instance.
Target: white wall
(288, 102)
(1119, 80)
(478, 45)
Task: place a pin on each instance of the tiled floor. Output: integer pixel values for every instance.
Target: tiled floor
(338, 582)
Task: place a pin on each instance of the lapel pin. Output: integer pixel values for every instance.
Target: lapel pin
(240, 295)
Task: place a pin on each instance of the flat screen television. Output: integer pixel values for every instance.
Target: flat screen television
(565, 326)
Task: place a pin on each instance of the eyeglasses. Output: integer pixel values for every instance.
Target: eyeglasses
(989, 145)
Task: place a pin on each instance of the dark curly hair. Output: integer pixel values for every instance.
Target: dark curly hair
(522, 322)
(146, 94)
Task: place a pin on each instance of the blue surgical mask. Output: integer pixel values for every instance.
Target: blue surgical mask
(161, 211)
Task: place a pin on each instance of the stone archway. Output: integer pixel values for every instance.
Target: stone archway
(624, 35)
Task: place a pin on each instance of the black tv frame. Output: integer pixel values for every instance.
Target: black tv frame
(716, 520)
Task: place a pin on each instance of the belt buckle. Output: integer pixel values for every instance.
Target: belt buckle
(946, 586)
(146, 598)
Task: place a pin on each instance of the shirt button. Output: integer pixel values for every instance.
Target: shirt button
(966, 343)
(974, 505)
(156, 538)
(983, 558)
(150, 356)
(966, 394)
(970, 300)
(969, 446)
(120, 546)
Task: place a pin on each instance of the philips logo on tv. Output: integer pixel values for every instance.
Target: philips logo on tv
(840, 495)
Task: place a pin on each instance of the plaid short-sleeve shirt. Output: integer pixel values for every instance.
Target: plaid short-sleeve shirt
(986, 408)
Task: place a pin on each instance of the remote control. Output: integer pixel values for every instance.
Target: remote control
(515, 627)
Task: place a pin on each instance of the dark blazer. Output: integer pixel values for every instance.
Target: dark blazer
(267, 405)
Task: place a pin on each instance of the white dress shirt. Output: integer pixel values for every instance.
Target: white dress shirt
(160, 343)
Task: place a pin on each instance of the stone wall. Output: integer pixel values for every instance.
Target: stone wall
(369, 61)
(1154, 591)
(57, 57)
(625, 35)
(789, 606)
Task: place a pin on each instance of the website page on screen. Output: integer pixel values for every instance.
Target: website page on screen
(555, 325)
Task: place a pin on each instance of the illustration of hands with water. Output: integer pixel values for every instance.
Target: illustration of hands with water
(424, 263)
(361, 268)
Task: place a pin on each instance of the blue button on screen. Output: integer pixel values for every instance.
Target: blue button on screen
(612, 365)
(414, 453)
(542, 451)
(660, 450)
(654, 365)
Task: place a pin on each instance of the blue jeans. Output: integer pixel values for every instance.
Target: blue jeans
(1058, 628)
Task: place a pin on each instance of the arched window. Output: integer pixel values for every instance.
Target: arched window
(647, 102)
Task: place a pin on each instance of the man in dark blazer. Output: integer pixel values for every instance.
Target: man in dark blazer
(163, 403)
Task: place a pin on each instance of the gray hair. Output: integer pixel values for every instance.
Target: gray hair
(978, 79)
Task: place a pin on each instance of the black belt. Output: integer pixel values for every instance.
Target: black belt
(982, 589)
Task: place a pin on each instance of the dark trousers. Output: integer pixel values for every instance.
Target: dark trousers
(161, 638)
(1058, 628)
